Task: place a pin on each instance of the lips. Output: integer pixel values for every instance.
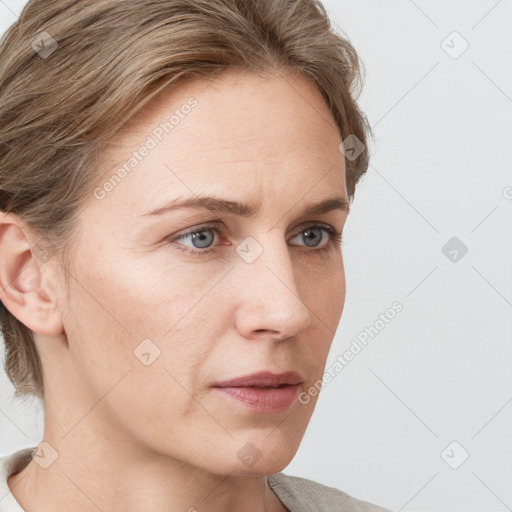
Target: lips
(263, 380)
(262, 392)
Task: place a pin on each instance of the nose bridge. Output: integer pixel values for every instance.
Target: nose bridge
(270, 299)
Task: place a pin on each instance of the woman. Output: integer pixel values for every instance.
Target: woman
(172, 196)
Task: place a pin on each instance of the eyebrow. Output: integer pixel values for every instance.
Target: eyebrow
(218, 205)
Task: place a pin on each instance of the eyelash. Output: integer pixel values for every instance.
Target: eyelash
(335, 238)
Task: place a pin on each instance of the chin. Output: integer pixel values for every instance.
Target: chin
(264, 458)
(246, 458)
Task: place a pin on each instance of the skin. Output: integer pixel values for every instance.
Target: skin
(133, 437)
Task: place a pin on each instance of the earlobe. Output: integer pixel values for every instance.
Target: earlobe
(21, 284)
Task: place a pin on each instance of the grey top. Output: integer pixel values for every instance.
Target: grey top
(302, 495)
(296, 494)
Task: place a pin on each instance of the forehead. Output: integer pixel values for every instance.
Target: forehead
(238, 130)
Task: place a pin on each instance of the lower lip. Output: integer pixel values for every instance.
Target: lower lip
(263, 399)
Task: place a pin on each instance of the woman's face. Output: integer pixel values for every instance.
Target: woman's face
(156, 317)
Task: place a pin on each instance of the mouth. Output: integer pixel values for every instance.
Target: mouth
(263, 392)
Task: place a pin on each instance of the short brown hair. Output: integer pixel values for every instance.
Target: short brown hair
(73, 72)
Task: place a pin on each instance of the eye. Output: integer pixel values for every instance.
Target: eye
(314, 235)
(202, 238)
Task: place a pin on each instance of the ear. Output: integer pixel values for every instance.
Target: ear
(25, 290)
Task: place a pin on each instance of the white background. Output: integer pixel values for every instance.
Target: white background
(440, 371)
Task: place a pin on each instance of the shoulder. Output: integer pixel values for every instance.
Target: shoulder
(302, 495)
(10, 464)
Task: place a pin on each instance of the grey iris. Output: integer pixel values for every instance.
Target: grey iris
(307, 236)
(202, 239)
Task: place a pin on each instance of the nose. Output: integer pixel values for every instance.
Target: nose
(270, 306)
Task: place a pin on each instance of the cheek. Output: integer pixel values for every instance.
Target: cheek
(157, 378)
(123, 316)
(338, 291)
(322, 287)
(138, 298)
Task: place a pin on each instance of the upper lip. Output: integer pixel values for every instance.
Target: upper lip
(263, 379)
